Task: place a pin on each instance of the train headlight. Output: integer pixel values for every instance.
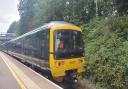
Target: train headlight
(61, 63)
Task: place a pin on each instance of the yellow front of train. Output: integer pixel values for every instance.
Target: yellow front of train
(66, 52)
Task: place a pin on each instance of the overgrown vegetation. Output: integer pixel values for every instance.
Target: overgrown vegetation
(14, 28)
(107, 52)
(34, 13)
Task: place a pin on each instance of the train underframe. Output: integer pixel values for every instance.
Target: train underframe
(71, 76)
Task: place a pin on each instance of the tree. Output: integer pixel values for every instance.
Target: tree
(35, 13)
(122, 6)
(26, 10)
(14, 28)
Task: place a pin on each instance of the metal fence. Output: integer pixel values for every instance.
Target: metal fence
(4, 37)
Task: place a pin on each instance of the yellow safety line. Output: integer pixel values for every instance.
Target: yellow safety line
(21, 84)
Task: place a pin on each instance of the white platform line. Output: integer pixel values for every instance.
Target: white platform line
(43, 77)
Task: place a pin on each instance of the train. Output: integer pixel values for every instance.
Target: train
(56, 47)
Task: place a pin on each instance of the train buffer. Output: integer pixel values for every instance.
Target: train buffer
(15, 75)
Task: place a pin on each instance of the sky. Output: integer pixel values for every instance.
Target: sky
(8, 13)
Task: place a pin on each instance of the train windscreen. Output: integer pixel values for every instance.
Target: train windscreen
(68, 44)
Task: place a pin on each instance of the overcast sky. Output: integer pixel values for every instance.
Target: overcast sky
(8, 13)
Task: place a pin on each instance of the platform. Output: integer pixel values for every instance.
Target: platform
(15, 75)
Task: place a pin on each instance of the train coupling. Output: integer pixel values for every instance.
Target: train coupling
(71, 76)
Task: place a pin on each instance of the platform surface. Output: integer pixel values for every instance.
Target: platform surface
(7, 81)
(15, 75)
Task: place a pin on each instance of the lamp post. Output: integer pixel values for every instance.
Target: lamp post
(96, 1)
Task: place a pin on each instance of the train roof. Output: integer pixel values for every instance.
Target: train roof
(59, 22)
(47, 26)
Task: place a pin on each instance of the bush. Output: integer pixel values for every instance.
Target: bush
(106, 44)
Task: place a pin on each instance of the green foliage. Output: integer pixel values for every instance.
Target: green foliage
(35, 13)
(107, 52)
(14, 28)
(122, 6)
(26, 10)
(61, 10)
